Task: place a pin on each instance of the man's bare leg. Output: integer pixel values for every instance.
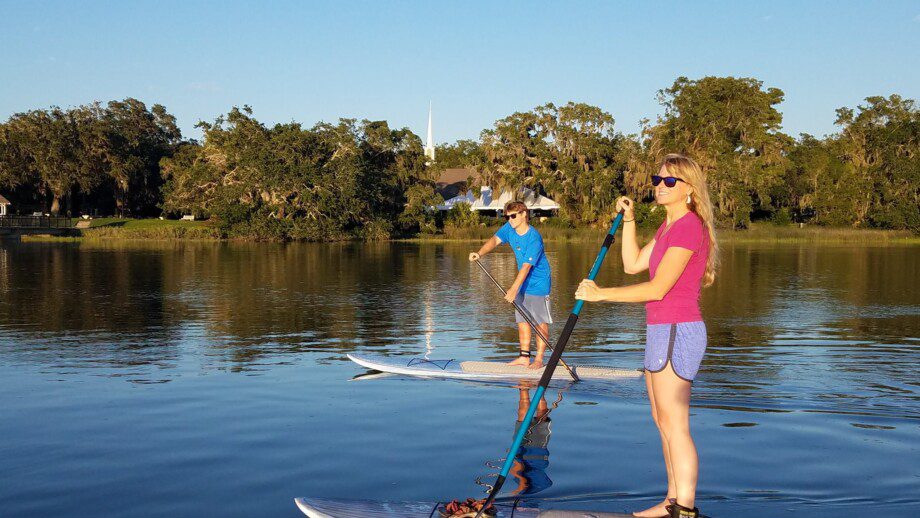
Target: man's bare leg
(524, 336)
(541, 347)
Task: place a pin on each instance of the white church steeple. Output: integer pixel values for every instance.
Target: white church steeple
(429, 146)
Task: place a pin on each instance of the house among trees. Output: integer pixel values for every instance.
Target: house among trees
(4, 204)
(457, 186)
(456, 181)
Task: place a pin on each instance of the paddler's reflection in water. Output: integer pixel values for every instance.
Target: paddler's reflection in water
(529, 468)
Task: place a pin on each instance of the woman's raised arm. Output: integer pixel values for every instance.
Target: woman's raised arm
(634, 259)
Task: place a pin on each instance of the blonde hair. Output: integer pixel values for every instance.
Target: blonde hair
(689, 171)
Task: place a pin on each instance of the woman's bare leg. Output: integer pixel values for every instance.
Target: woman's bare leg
(672, 401)
(658, 510)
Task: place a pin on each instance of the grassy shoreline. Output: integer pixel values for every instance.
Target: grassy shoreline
(169, 230)
(758, 233)
(137, 229)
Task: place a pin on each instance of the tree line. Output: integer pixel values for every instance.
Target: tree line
(364, 179)
(866, 175)
(90, 157)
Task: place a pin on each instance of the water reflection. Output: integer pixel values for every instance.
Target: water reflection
(528, 474)
(532, 459)
(816, 328)
(231, 357)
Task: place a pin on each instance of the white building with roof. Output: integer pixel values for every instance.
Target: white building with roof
(487, 201)
(456, 186)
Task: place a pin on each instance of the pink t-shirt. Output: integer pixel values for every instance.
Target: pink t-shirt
(682, 302)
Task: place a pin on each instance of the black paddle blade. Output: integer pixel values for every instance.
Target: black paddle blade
(492, 494)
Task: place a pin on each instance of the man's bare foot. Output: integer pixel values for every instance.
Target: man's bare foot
(537, 363)
(522, 360)
(657, 511)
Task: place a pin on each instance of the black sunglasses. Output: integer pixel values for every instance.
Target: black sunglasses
(512, 216)
(669, 181)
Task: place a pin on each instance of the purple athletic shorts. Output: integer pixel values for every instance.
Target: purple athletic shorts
(682, 344)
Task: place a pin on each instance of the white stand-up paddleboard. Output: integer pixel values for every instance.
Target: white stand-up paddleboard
(321, 508)
(477, 370)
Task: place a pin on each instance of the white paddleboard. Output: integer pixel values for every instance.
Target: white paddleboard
(478, 370)
(323, 508)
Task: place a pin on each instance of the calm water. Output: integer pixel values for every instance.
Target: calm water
(210, 379)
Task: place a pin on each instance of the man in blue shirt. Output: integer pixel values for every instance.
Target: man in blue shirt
(531, 287)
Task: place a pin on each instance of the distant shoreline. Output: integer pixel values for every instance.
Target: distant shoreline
(112, 229)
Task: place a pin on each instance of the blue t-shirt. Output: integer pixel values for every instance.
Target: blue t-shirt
(528, 249)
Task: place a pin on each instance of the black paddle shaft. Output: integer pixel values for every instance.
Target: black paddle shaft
(533, 326)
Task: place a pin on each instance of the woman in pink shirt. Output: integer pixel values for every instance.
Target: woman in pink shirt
(681, 258)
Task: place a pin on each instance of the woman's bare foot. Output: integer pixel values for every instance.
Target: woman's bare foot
(657, 511)
(537, 363)
(523, 360)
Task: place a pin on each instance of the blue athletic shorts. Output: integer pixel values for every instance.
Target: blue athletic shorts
(682, 345)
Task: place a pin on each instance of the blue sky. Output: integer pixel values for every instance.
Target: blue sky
(476, 61)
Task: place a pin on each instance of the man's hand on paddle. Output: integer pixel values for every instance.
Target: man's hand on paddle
(588, 291)
(511, 294)
(487, 247)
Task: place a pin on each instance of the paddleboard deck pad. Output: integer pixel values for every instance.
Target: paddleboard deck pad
(322, 508)
(479, 370)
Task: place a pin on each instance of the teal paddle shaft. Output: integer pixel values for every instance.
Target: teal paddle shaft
(550, 367)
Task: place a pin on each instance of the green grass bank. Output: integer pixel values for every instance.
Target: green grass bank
(157, 229)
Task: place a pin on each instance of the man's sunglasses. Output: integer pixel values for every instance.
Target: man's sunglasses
(512, 216)
(669, 181)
